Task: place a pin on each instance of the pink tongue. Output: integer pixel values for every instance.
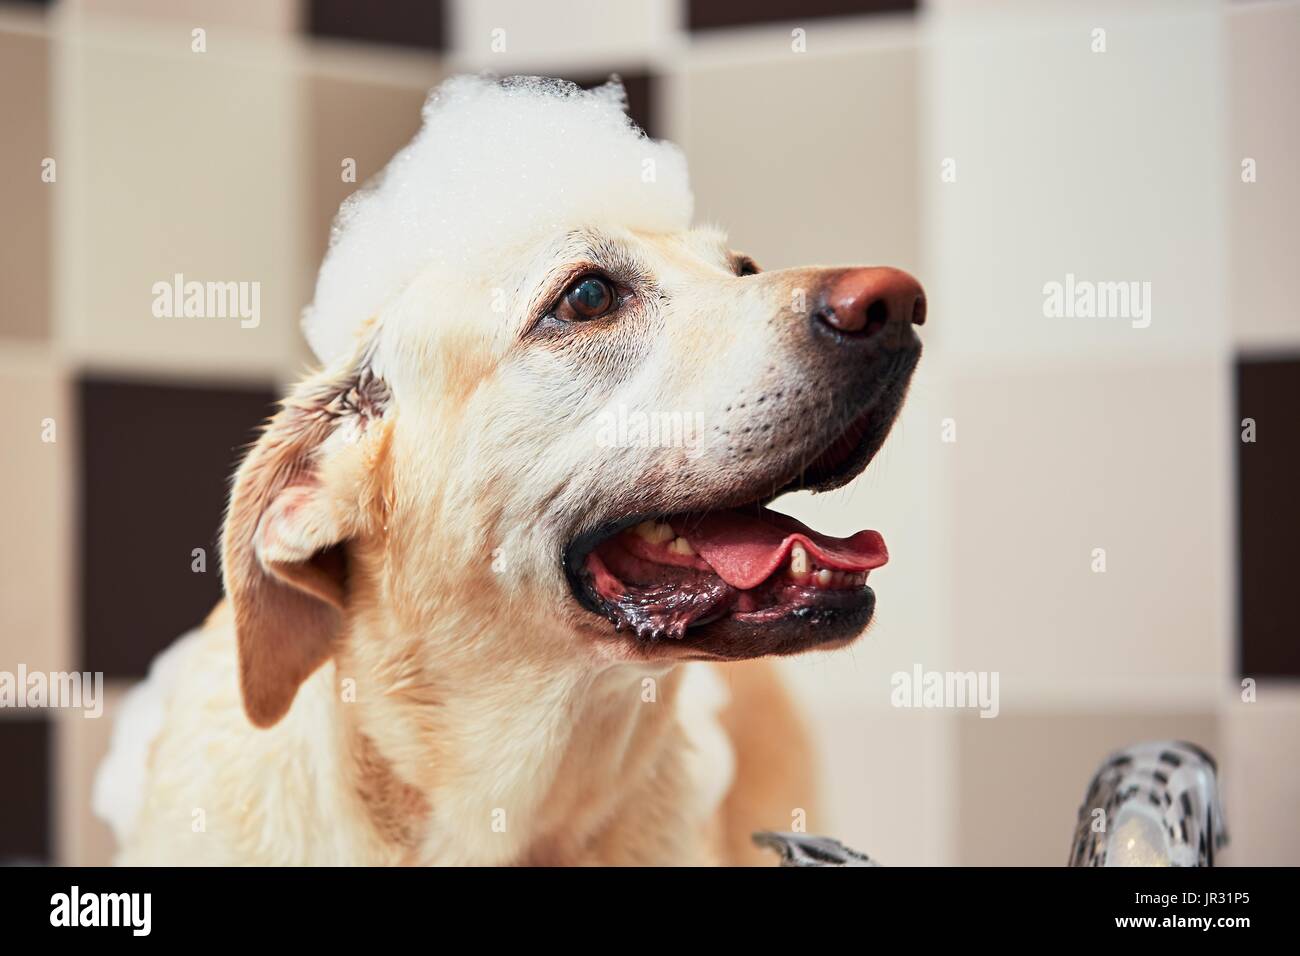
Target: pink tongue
(745, 548)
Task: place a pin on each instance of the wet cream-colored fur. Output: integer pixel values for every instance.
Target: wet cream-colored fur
(400, 674)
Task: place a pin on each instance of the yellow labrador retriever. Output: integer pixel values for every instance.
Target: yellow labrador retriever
(500, 574)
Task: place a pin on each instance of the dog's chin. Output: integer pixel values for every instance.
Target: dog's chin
(732, 638)
(730, 579)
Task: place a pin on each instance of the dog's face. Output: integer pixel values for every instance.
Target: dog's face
(570, 455)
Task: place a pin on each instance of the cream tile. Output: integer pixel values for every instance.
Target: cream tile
(175, 162)
(1261, 777)
(1053, 463)
(360, 111)
(886, 781)
(805, 157)
(272, 16)
(350, 117)
(1105, 166)
(25, 243)
(507, 36)
(1264, 219)
(36, 512)
(82, 839)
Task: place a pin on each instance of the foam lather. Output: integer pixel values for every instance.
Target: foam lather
(496, 165)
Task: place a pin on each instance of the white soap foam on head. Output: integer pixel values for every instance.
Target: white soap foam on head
(496, 164)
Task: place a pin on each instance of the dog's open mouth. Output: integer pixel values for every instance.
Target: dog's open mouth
(755, 565)
(739, 579)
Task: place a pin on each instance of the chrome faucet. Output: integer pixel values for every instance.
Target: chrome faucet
(1152, 804)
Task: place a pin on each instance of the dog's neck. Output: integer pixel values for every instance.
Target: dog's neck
(507, 759)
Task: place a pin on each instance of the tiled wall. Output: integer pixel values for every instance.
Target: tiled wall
(816, 132)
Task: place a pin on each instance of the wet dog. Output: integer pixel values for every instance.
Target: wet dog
(467, 621)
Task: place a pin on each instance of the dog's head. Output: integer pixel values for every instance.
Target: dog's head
(564, 454)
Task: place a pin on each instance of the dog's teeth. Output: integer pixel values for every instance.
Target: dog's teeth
(823, 578)
(680, 546)
(656, 532)
(798, 561)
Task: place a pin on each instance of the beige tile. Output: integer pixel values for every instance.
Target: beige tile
(805, 157)
(507, 36)
(25, 270)
(1264, 222)
(1262, 778)
(1021, 779)
(1105, 166)
(360, 109)
(177, 162)
(886, 781)
(36, 512)
(1050, 465)
(350, 117)
(82, 839)
(272, 16)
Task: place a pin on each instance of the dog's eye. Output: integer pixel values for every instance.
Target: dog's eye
(746, 266)
(589, 297)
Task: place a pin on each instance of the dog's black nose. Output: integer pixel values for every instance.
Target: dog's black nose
(862, 302)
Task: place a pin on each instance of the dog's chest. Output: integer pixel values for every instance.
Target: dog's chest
(636, 786)
(709, 758)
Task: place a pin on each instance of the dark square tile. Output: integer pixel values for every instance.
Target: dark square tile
(1268, 515)
(25, 804)
(410, 23)
(718, 14)
(156, 461)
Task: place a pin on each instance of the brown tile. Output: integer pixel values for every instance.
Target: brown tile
(399, 24)
(155, 463)
(1268, 515)
(711, 15)
(25, 819)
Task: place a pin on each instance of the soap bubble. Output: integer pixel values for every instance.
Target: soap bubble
(497, 164)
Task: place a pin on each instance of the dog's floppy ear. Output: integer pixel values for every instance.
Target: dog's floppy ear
(298, 497)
